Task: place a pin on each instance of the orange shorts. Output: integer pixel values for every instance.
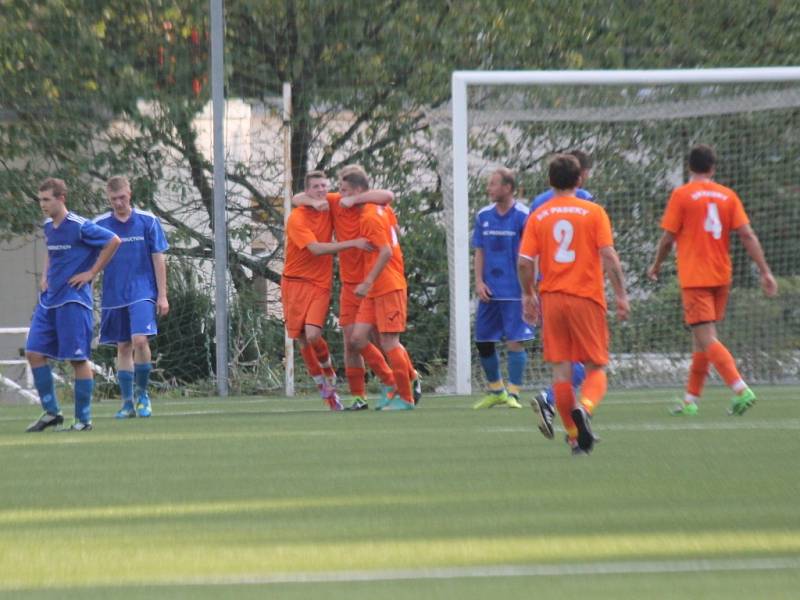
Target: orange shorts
(704, 304)
(386, 312)
(348, 304)
(303, 304)
(573, 329)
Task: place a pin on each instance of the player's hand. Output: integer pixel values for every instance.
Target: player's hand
(483, 291)
(162, 307)
(769, 285)
(347, 201)
(531, 312)
(81, 279)
(653, 271)
(362, 289)
(320, 204)
(363, 244)
(43, 284)
(623, 309)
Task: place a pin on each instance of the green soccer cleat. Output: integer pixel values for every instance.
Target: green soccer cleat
(359, 403)
(491, 399)
(741, 402)
(684, 410)
(513, 401)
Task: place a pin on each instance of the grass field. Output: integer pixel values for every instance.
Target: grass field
(277, 498)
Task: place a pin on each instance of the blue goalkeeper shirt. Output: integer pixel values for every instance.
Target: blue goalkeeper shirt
(130, 276)
(72, 248)
(548, 195)
(499, 236)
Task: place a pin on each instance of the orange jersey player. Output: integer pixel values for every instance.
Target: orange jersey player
(699, 217)
(306, 284)
(570, 241)
(345, 212)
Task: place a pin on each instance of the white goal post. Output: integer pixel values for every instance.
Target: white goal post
(460, 344)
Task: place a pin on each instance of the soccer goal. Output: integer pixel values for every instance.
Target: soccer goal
(638, 126)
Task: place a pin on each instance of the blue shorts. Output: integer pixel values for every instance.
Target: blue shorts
(121, 324)
(500, 320)
(63, 332)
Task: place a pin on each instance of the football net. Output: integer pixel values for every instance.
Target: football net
(638, 127)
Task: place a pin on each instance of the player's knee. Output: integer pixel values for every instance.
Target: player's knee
(485, 349)
(35, 359)
(313, 335)
(140, 343)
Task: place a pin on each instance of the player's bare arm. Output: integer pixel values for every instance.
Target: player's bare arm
(160, 269)
(380, 197)
(304, 199)
(43, 279)
(102, 260)
(320, 248)
(481, 289)
(750, 242)
(527, 270)
(613, 269)
(384, 255)
(662, 251)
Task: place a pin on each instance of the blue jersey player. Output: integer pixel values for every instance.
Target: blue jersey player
(61, 326)
(544, 402)
(495, 238)
(134, 294)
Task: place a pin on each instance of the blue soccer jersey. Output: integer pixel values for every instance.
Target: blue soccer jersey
(548, 195)
(499, 236)
(72, 248)
(130, 276)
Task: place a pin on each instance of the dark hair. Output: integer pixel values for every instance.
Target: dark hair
(57, 186)
(356, 176)
(564, 172)
(313, 175)
(584, 159)
(702, 159)
(507, 177)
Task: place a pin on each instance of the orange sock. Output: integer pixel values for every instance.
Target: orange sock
(412, 372)
(311, 360)
(697, 374)
(397, 359)
(355, 379)
(565, 403)
(375, 360)
(723, 362)
(324, 357)
(593, 389)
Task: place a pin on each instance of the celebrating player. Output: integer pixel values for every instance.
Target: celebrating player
(61, 327)
(569, 240)
(346, 215)
(306, 283)
(496, 236)
(134, 294)
(700, 216)
(545, 400)
(383, 291)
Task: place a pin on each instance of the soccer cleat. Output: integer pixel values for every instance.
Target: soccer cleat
(45, 421)
(80, 426)
(397, 403)
(143, 408)
(330, 397)
(585, 436)
(359, 403)
(416, 389)
(684, 410)
(387, 393)
(513, 401)
(741, 402)
(546, 414)
(491, 399)
(127, 411)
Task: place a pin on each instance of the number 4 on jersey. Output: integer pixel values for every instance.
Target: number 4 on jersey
(712, 224)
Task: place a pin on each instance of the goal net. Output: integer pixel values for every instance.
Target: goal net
(638, 126)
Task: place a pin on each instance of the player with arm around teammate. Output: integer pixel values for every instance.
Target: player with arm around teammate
(699, 217)
(134, 295)
(569, 241)
(61, 326)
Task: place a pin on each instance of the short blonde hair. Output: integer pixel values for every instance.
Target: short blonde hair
(313, 175)
(57, 186)
(117, 183)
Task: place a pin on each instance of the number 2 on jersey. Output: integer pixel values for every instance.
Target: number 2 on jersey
(712, 224)
(563, 234)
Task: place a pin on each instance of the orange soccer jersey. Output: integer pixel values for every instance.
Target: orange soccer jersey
(566, 234)
(701, 215)
(347, 225)
(378, 225)
(306, 226)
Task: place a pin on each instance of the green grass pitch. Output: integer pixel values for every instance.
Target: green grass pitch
(254, 498)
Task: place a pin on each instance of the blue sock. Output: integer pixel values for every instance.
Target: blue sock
(516, 366)
(141, 374)
(83, 399)
(491, 367)
(43, 380)
(578, 375)
(125, 379)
